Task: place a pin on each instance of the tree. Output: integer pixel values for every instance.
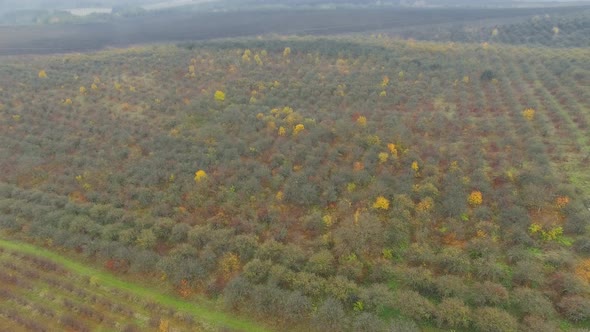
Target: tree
(488, 319)
(200, 175)
(330, 316)
(42, 74)
(146, 239)
(453, 313)
(528, 114)
(321, 263)
(381, 203)
(487, 75)
(475, 198)
(219, 95)
(576, 308)
(298, 128)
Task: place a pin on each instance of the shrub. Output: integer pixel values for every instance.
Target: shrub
(236, 293)
(321, 263)
(367, 322)
(538, 324)
(530, 302)
(330, 316)
(297, 308)
(399, 325)
(413, 305)
(453, 313)
(576, 308)
(490, 319)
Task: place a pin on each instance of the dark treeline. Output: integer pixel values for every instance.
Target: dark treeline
(183, 27)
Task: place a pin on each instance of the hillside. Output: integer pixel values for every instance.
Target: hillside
(333, 183)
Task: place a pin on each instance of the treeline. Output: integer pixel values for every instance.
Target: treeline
(541, 30)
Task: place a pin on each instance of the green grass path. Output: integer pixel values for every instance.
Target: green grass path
(216, 318)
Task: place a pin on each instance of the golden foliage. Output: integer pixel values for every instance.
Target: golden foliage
(258, 60)
(381, 203)
(425, 205)
(279, 196)
(475, 198)
(200, 175)
(42, 74)
(528, 114)
(282, 131)
(286, 52)
(383, 93)
(350, 187)
(229, 264)
(392, 149)
(553, 234)
(82, 90)
(328, 221)
(94, 86)
(298, 128)
(219, 95)
(385, 81)
(562, 201)
(583, 270)
(164, 325)
(342, 66)
(415, 166)
(383, 157)
(246, 56)
(68, 101)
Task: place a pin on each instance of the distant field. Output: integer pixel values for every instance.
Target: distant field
(178, 27)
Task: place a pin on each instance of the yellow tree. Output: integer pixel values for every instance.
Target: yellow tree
(200, 175)
(528, 114)
(392, 149)
(219, 95)
(282, 131)
(42, 74)
(381, 203)
(229, 265)
(246, 55)
(258, 60)
(475, 198)
(298, 128)
(362, 121)
(286, 52)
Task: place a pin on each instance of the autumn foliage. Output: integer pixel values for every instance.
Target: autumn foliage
(475, 198)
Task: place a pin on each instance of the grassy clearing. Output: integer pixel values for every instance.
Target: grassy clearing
(200, 311)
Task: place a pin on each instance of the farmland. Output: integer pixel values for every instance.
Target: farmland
(332, 183)
(63, 295)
